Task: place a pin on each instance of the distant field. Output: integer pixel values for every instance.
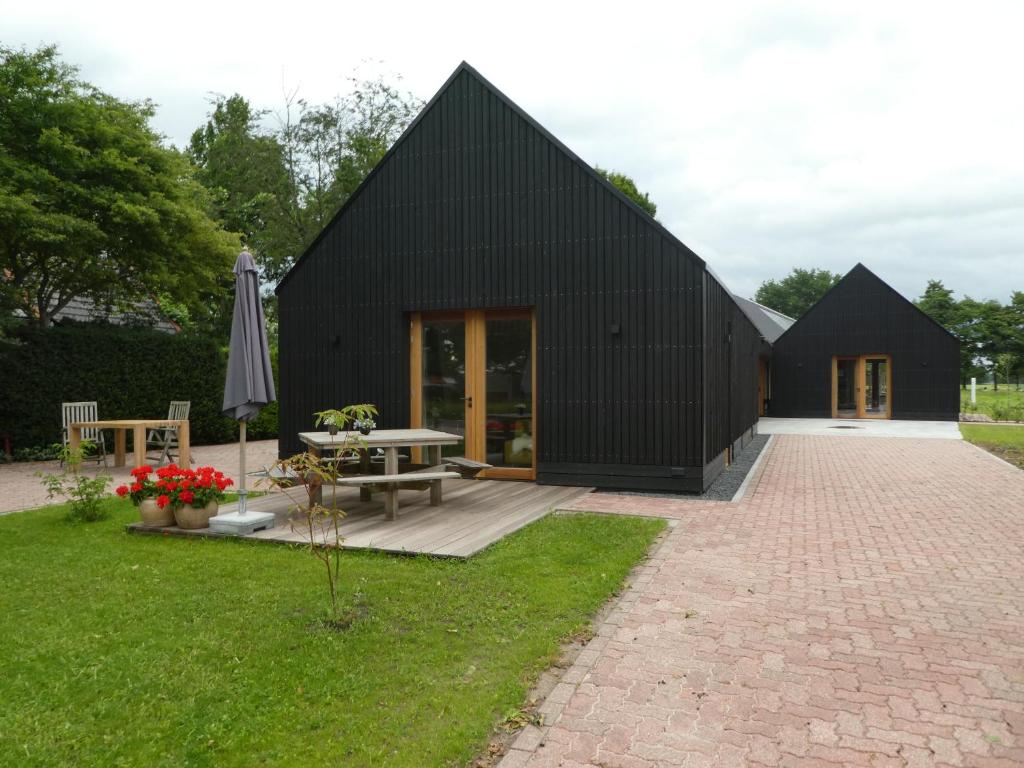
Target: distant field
(1006, 442)
(1005, 405)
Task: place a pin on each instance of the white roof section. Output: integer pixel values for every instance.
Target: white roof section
(769, 323)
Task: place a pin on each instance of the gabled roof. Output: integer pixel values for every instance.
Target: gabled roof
(769, 323)
(587, 168)
(860, 269)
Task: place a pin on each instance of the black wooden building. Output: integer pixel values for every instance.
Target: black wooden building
(864, 351)
(485, 280)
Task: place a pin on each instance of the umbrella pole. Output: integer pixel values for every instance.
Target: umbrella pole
(242, 493)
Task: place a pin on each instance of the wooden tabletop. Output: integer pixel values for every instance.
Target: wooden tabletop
(382, 438)
(126, 423)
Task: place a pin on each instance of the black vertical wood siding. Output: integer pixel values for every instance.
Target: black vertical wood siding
(731, 349)
(862, 315)
(478, 207)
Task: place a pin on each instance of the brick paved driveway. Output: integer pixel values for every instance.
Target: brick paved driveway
(863, 606)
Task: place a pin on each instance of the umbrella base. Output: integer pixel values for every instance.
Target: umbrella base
(240, 525)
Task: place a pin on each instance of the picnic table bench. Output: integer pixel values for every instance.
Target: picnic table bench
(391, 480)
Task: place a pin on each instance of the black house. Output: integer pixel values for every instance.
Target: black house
(864, 351)
(485, 280)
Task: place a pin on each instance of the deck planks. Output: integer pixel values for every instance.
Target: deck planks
(474, 515)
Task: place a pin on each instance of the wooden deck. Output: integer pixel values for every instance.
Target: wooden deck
(474, 515)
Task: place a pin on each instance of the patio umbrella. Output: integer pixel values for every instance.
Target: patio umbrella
(250, 382)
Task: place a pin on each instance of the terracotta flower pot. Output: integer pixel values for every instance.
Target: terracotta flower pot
(191, 518)
(151, 514)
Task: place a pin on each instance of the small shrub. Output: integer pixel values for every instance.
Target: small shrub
(1000, 412)
(85, 494)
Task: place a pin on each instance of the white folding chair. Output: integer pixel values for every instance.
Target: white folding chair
(84, 411)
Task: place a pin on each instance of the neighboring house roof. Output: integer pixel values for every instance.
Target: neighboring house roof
(145, 313)
(769, 323)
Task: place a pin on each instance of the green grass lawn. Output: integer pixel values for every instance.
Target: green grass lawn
(1005, 405)
(124, 650)
(1004, 441)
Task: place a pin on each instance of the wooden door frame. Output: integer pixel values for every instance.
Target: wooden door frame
(860, 393)
(475, 418)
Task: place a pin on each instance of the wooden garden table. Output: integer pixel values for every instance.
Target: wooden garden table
(139, 428)
(390, 440)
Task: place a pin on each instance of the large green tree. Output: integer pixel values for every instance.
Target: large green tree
(280, 184)
(91, 203)
(628, 187)
(797, 292)
(957, 317)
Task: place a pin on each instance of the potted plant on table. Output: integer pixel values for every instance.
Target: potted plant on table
(359, 416)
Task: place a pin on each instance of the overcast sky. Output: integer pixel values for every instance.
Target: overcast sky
(770, 135)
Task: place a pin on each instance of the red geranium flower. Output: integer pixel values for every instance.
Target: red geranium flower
(171, 486)
(187, 496)
(122, 491)
(163, 500)
(136, 487)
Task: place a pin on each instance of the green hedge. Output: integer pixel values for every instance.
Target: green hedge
(130, 372)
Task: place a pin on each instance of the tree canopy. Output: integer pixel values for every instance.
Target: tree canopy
(628, 187)
(279, 184)
(797, 292)
(991, 334)
(92, 205)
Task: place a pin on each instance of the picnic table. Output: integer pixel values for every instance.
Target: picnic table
(138, 427)
(389, 440)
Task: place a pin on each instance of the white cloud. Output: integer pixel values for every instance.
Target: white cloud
(771, 135)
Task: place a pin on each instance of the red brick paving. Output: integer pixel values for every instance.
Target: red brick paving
(861, 606)
(20, 488)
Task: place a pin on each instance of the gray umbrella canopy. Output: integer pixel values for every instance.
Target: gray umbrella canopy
(250, 382)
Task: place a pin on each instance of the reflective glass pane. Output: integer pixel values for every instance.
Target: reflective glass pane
(876, 385)
(444, 379)
(846, 381)
(509, 381)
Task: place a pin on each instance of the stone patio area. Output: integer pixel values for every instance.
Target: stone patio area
(20, 488)
(862, 605)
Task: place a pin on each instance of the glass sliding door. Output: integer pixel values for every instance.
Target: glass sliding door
(472, 374)
(846, 387)
(443, 378)
(876, 388)
(862, 387)
(509, 387)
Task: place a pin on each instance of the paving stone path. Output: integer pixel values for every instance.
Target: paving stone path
(861, 606)
(20, 487)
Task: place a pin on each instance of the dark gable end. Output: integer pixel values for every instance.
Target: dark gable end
(864, 315)
(464, 69)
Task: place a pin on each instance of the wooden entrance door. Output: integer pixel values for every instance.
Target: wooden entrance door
(862, 387)
(472, 373)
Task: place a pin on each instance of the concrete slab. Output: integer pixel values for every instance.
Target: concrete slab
(946, 430)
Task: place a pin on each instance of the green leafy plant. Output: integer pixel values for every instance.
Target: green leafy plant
(319, 522)
(349, 415)
(85, 494)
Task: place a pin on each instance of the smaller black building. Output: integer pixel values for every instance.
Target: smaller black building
(864, 351)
